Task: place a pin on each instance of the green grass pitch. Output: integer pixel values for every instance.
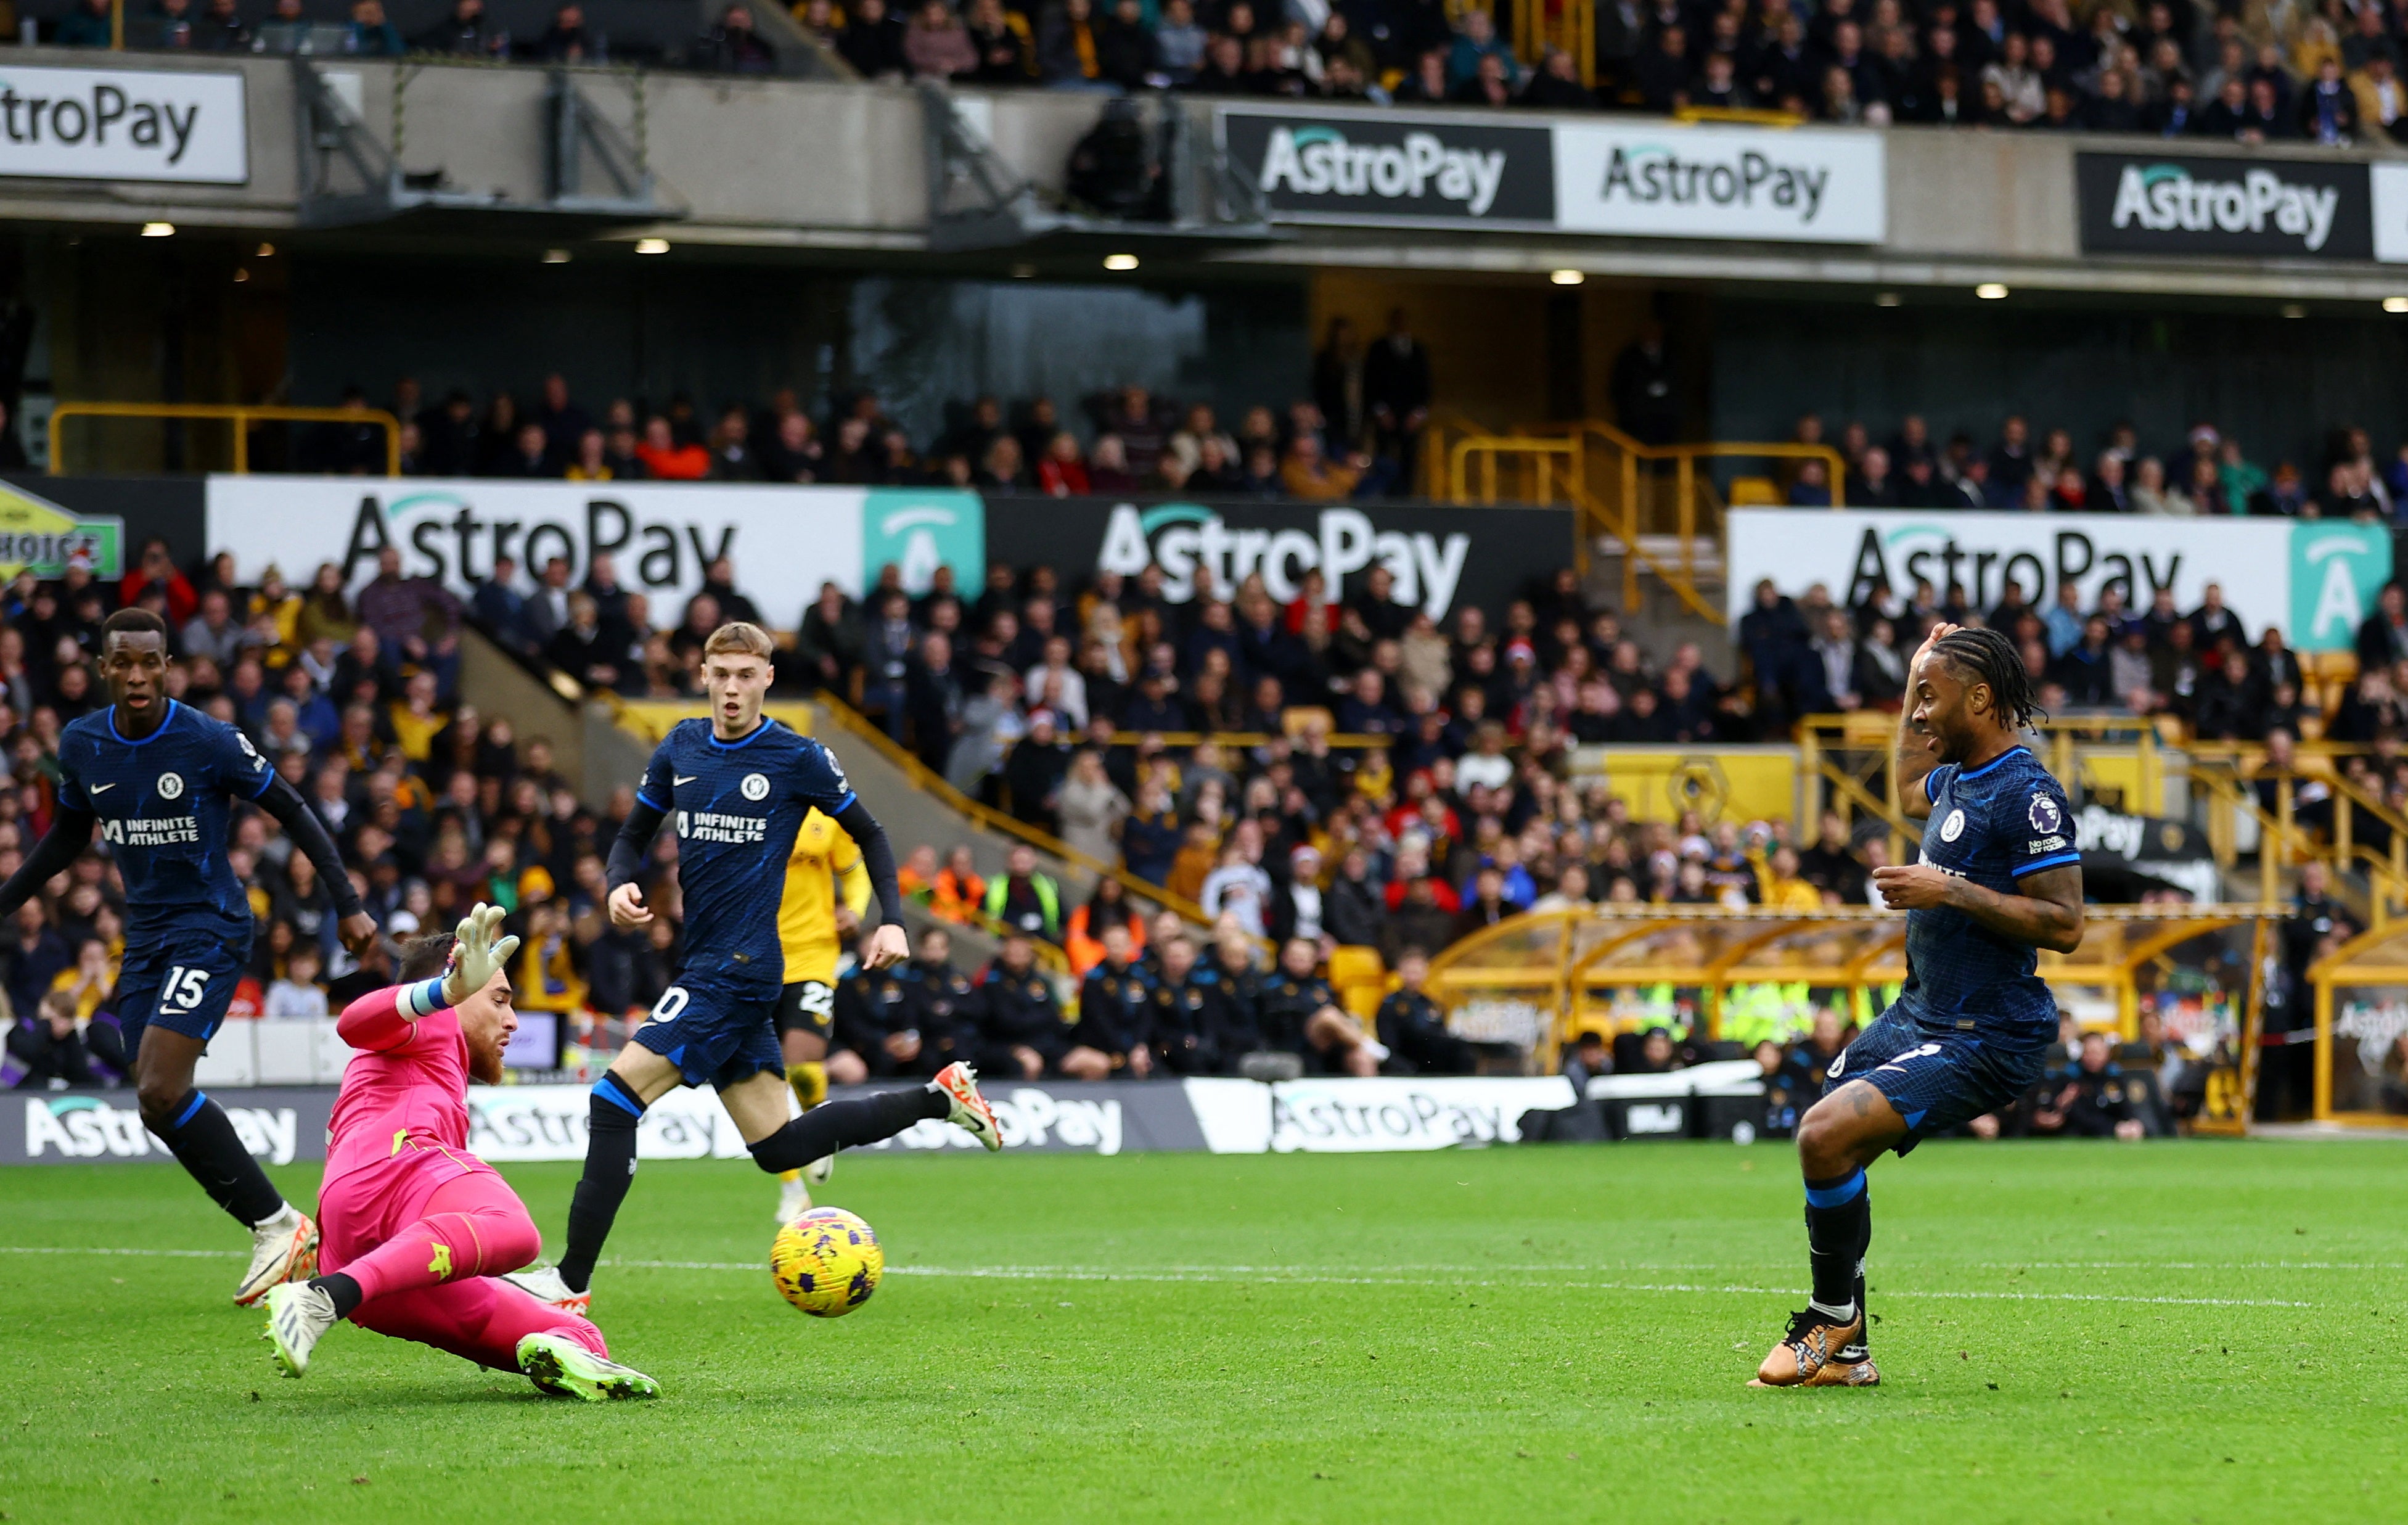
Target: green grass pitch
(2180, 1332)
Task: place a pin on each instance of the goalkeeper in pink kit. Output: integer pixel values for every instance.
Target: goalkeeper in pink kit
(417, 1231)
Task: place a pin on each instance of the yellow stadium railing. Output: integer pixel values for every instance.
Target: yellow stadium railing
(1572, 28)
(1655, 501)
(241, 415)
(1569, 965)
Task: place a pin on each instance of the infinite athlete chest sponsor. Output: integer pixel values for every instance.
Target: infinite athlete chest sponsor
(720, 826)
(151, 831)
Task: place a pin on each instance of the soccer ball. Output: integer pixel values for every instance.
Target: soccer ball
(826, 1263)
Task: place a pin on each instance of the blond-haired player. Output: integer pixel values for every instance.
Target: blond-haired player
(827, 888)
(735, 787)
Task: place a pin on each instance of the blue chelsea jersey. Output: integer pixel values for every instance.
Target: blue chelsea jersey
(164, 803)
(1994, 824)
(735, 807)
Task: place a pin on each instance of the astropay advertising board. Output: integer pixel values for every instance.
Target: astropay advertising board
(661, 537)
(1652, 179)
(125, 124)
(1661, 180)
(2314, 579)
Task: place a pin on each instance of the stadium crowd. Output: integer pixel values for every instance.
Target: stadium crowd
(2317, 74)
(1351, 436)
(2207, 471)
(2326, 73)
(1390, 784)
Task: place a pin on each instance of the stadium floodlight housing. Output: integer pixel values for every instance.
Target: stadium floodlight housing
(1566, 278)
(2395, 304)
(158, 230)
(651, 245)
(1992, 290)
(1119, 262)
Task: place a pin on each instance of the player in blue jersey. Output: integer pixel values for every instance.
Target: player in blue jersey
(737, 787)
(160, 780)
(1998, 879)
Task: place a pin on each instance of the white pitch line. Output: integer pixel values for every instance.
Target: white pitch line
(1233, 1275)
(1073, 1273)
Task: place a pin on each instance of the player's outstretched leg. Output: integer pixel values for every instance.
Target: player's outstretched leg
(954, 1095)
(487, 1320)
(471, 1227)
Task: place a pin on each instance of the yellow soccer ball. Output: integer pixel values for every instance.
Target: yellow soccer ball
(826, 1263)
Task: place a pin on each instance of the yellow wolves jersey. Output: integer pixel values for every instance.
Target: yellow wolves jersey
(823, 855)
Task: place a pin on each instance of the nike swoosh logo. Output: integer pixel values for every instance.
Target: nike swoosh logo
(688, 779)
(101, 788)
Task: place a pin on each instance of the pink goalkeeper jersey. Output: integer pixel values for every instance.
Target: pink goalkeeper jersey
(406, 1090)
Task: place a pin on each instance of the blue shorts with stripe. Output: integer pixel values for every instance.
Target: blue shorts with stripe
(182, 985)
(1937, 1081)
(716, 1032)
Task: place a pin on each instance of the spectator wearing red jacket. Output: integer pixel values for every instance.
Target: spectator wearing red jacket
(157, 569)
(668, 460)
(1061, 473)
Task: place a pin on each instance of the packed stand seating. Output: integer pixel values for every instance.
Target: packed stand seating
(1353, 436)
(2167, 68)
(2206, 472)
(540, 32)
(2118, 653)
(2327, 74)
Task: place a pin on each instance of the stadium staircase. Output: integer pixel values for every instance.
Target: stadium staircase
(1651, 516)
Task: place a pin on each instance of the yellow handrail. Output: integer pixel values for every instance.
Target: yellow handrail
(1546, 464)
(242, 415)
(1572, 28)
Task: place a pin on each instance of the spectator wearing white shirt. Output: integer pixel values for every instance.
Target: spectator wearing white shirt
(297, 994)
(1069, 697)
(1239, 887)
(1486, 767)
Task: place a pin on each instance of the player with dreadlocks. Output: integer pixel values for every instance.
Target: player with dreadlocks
(1999, 878)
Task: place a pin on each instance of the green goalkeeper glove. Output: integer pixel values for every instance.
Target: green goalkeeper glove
(475, 954)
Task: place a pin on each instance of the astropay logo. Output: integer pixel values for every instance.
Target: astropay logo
(87, 1128)
(1187, 539)
(1320, 159)
(2169, 198)
(1651, 174)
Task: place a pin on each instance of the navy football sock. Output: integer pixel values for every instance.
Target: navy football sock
(609, 1169)
(202, 1140)
(847, 1125)
(1839, 1220)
